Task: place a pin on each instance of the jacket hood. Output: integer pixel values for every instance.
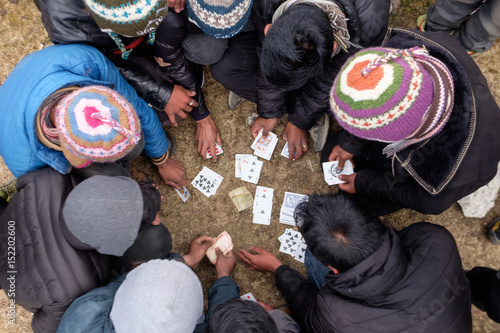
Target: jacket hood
(370, 280)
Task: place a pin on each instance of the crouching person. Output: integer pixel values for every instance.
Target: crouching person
(65, 237)
(365, 277)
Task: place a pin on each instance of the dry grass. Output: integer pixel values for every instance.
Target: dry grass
(21, 33)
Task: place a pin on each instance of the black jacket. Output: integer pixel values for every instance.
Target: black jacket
(50, 266)
(69, 22)
(368, 20)
(413, 283)
(430, 176)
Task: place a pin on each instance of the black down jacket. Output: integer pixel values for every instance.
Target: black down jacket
(46, 265)
(413, 282)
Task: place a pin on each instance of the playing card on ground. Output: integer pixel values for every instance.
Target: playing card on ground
(263, 205)
(183, 193)
(207, 181)
(332, 174)
(250, 172)
(218, 151)
(293, 243)
(290, 202)
(224, 243)
(285, 152)
(239, 160)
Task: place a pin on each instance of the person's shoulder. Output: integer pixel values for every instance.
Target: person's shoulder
(425, 234)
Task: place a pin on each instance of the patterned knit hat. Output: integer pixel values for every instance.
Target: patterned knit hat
(128, 18)
(96, 124)
(219, 18)
(390, 95)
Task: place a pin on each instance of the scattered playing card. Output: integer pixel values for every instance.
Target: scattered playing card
(224, 243)
(183, 193)
(290, 201)
(250, 172)
(293, 243)
(263, 205)
(218, 151)
(248, 297)
(239, 160)
(332, 174)
(207, 181)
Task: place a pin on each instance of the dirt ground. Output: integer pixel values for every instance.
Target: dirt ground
(21, 33)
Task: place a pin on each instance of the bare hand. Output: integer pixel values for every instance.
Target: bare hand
(177, 5)
(297, 141)
(180, 101)
(206, 136)
(349, 186)
(197, 250)
(173, 173)
(266, 306)
(263, 261)
(225, 263)
(339, 154)
(263, 123)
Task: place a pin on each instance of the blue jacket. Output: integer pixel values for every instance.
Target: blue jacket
(39, 75)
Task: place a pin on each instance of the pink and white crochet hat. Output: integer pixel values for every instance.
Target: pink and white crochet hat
(96, 124)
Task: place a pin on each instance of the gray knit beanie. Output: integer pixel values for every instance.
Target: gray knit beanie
(105, 213)
(158, 296)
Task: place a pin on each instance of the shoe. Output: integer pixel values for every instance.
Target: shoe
(494, 231)
(421, 21)
(233, 100)
(172, 145)
(319, 132)
(251, 118)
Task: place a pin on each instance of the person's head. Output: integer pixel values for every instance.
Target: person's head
(240, 316)
(96, 124)
(337, 232)
(297, 47)
(128, 18)
(106, 213)
(391, 95)
(219, 19)
(158, 296)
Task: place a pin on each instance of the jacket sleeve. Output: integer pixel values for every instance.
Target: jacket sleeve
(168, 46)
(302, 297)
(403, 191)
(353, 144)
(271, 99)
(156, 144)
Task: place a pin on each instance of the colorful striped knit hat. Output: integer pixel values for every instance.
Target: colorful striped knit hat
(128, 18)
(219, 18)
(96, 124)
(391, 95)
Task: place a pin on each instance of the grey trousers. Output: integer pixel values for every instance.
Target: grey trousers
(476, 23)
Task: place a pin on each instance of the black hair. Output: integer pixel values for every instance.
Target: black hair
(240, 316)
(337, 231)
(152, 242)
(297, 47)
(151, 198)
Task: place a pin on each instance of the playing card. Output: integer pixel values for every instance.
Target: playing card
(332, 174)
(290, 202)
(263, 205)
(285, 152)
(224, 243)
(300, 253)
(239, 160)
(248, 297)
(218, 151)
(207, 181)
(183, 193)
(264, 147)
(250, 171)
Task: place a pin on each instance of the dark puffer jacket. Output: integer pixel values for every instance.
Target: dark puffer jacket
(51, 268)
(413, 283)
(368, 20)
(69, 22)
